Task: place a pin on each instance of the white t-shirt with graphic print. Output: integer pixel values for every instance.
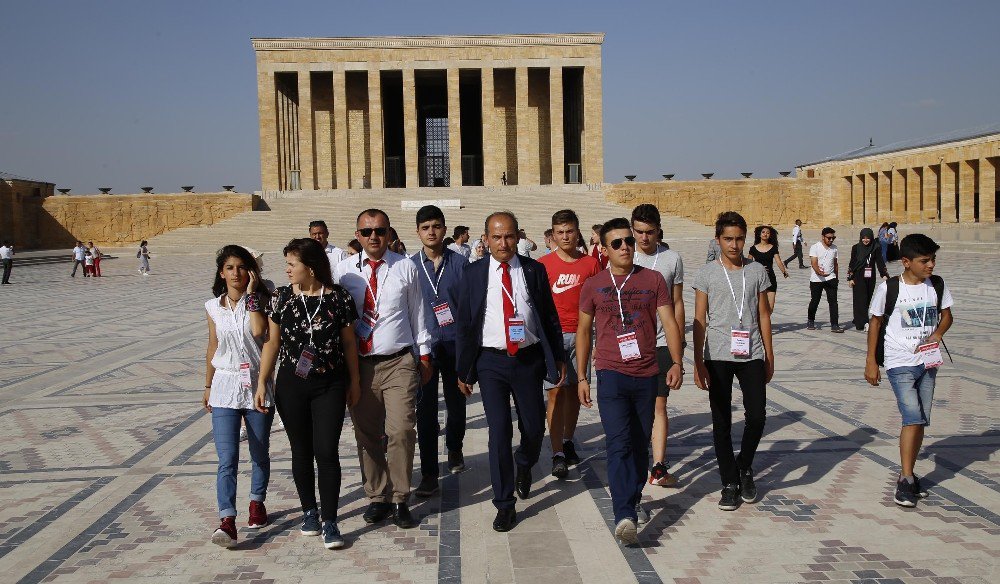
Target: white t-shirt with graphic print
(914, 318)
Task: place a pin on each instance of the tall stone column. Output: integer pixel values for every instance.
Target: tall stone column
(967, 191)
(454, 129)
(987, 190)
(410, 129)
(871, 197)
(491, 168)
(884, 195)
(527, 149)
(377, 178)
(593, 126)
(342, 178)
(268, 118)
(898, 205)
(557, 143)
(307, 150)
(913, 180)
(949, 214)
(857, 199)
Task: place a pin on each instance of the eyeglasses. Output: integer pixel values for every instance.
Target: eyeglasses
(617, 243)
(830, 237)
(379, 231)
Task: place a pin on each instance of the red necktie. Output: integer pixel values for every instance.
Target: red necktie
(370, 294)
(508, 306)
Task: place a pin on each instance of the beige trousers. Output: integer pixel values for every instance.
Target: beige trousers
(387, 406)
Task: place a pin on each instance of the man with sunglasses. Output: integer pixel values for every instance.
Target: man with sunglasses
(392, 330)
(626, 301)
(824, 277)
(508, 338)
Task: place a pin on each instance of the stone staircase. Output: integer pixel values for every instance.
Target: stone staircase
(291, 211)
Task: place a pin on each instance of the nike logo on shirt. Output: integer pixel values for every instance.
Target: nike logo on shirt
(566, 282)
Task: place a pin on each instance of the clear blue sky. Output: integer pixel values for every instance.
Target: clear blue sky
(129, 93)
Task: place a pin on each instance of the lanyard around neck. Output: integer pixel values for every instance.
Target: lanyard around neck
(743, 295)
(434, 284)
(618, 291)
(302, 297)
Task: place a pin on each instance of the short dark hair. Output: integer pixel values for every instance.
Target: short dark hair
(319, 223)
(6, 242)
(596, 227)
(828, 231)
(448, 241)
(616, 223)
(241, 253)
(646, 213)
(548, 232)
(312, 254)
(460, 231)
(565, 216)
(729, 219)
(917, 245)
(507, 214)
(355, 245)
(373, 213)
(429, 213)
(144, 242)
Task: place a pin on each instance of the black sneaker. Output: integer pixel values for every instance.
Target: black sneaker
(918, 490)
(904, 494)
(310, 523)
(811, 325)
(730, 500)
(837, 329)
(559, 468)
(569, 450)
(748, 490)
(456, 461)
(332, 539)
(427, 487)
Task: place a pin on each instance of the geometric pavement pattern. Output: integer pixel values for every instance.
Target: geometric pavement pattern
(107, 469)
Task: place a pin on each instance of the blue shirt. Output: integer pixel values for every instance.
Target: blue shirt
(446, 280)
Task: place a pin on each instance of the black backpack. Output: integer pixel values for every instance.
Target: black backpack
(891, 293)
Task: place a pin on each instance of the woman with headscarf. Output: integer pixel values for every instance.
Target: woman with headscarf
(892, 252)
(866, 258)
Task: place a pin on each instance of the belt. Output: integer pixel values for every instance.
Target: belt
(521, 351)
(398, 353)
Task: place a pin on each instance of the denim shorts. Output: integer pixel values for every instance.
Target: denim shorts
(572, 377)
(914, 389)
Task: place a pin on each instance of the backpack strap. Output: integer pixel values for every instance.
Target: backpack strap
(938, 283)
(891, 293)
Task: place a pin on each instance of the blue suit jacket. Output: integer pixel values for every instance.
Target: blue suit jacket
(471, 298)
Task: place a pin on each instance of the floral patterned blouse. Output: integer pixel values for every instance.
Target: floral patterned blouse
(287, 310)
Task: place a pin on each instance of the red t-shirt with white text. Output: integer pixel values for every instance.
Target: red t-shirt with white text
(566, 280)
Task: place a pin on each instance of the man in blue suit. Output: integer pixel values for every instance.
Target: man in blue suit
(508, 339)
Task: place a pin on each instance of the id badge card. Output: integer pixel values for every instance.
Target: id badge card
(515, 329)
(628, 346)
(305, 363)
(868, 272)
(365, 326)
(245, 381)
(739, 343)
(930, 353)
(443, 314)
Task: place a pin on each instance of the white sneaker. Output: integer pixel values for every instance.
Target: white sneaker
(866, 327)
(281, 424)
(626, 532)
(243, 433)
(641, 514)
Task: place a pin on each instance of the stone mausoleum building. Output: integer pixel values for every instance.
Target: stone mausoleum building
(437, 111)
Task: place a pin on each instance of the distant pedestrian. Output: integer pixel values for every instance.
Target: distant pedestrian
(866, 258)
(353, 247)
(143, 256)
(797, 242)
(883, 240)
(319, 232)
(503, 179)
(79, 257)
(460, 245)
(714, 251)
(596, 249)
(7, 258)
(96, 252)
(892, 250)
(824, 277)
(88, 263)
(525, 245)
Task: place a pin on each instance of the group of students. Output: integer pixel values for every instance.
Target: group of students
(374, 331)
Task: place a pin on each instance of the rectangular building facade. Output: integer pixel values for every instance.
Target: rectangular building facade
(437, 111)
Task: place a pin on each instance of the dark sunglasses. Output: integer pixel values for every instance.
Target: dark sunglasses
(379, 231)
(617, 243)
(830, 237)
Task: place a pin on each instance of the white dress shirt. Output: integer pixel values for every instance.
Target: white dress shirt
(335, 255)
(400, 302)
(461, 248)
(494, 326)
(6, 252)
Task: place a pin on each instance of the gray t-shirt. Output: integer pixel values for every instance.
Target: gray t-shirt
(722, 313)
(668, 263)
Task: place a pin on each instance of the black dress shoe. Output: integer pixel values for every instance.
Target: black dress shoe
(377, 512)
(401, 516)
(506, 518)
(522, 484)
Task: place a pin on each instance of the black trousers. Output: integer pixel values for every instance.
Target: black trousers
(8, 265)
(816, 289)
(797, 248)
(864, 289)
(751, 375)
(500, 378)
(428, 426)
(313, 412)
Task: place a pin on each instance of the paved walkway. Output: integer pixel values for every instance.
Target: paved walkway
(107, 468)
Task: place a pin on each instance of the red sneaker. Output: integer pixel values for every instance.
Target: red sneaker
(258, 515)
(225, 535)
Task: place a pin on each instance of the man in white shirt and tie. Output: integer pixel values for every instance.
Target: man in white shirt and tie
(319, 232)
(392, 332)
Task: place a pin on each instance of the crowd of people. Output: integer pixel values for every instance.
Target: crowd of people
(375, 332)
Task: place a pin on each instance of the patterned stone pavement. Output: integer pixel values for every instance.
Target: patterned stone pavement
(107, 467)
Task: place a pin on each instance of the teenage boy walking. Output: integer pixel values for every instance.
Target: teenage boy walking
(732, 338)
(567, 268)
(909, 316)
(626, 301)
(824, 277)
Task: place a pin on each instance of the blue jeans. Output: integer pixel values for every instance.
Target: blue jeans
(914, 389)
(626, 405)
(428, 426)
(226, 431)
(884, 245)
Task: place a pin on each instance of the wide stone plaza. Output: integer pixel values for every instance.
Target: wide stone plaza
(107, 468)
